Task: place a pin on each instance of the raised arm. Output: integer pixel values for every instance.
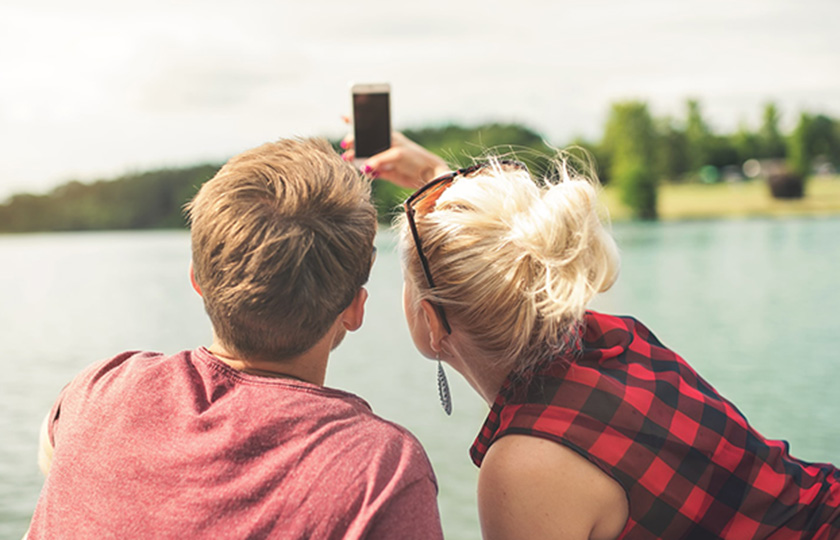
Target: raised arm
(406, 163)
(530, 487)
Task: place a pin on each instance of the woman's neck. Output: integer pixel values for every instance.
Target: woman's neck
(486, 376)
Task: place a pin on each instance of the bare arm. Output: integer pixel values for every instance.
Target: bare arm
(530, 487)
(406, 163)
(45, 447)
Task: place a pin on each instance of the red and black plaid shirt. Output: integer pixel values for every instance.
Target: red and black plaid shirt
(690, 463)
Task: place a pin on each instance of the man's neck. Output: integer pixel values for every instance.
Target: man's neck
(310, 366)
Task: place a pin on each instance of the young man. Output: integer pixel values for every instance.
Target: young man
(241, 439)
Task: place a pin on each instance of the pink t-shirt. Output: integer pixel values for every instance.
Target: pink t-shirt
(183, 446)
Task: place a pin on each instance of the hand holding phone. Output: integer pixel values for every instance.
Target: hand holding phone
(371, 118)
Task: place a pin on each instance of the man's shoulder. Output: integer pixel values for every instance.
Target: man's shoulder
(123, 371)
(373, 444)
(127, 360)
(366, 434)
(368, 424)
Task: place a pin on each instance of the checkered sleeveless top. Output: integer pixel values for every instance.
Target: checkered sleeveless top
(691, 464)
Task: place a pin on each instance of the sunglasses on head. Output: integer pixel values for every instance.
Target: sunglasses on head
(424, 199)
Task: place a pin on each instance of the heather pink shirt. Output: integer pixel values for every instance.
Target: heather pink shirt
(183, 446)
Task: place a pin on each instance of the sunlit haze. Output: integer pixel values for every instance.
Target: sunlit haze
(92, 89)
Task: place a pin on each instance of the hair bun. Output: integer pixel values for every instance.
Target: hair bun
(516, 262)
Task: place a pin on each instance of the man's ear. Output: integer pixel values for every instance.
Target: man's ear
(193, 281)
(437, 332)
(354, 315)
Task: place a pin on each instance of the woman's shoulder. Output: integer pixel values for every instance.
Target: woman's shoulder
(549, 489)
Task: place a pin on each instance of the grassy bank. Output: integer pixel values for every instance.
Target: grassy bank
(735, 200)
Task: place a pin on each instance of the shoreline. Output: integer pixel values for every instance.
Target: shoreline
(748, 199)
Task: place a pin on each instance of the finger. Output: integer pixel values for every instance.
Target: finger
(381, 162)
(347, 142)
(349, 155)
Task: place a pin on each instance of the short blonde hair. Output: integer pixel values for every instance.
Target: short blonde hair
(282, 239)
(515, 262)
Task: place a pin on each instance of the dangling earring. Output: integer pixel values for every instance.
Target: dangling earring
(443, 389)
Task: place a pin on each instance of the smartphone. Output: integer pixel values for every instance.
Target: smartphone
(371, 118)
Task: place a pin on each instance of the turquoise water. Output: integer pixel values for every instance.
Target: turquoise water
(750, 304)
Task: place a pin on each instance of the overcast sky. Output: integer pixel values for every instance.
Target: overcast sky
(93, 88)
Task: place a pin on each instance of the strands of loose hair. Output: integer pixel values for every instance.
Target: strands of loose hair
(517, 260)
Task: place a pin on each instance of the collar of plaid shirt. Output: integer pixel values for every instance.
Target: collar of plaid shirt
(691, 464)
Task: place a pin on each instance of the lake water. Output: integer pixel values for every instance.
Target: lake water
(752, 305)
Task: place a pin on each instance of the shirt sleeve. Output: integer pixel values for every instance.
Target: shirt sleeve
(49, 427)
(46, 435)
(411, 514)
(45, 445)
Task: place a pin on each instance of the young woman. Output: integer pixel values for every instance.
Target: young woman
(596, 429)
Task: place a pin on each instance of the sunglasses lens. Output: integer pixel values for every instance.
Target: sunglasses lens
(426, 202)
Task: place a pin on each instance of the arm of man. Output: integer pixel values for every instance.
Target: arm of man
(530, 487)
(45, 446)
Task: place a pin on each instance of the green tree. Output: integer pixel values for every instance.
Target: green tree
(672, 154)
(721, 151)
(747, 144)
(814, 136)
(824, 139)
(461, 146)
(592, 154)
(771, 142)
(698, 136)
(631, 138)
(800, 155)
(146, 200)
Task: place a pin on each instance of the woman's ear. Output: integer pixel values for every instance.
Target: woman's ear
(437, 331)
(193, 281)
(353, 317)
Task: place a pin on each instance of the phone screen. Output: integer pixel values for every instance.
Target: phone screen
(371, 122)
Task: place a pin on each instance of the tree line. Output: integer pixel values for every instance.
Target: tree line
(147, 200)
(636, 152)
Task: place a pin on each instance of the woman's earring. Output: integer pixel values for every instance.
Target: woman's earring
(443, 389)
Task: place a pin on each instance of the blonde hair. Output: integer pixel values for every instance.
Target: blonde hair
(515, 262)
(282, 239)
